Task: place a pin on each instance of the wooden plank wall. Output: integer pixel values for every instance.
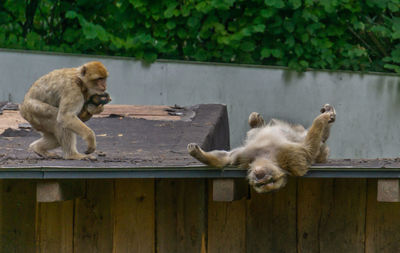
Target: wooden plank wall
(154, 215)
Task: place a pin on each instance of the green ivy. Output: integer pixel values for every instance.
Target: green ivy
(300, 34)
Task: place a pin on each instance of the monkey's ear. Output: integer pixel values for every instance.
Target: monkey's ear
(83, 70)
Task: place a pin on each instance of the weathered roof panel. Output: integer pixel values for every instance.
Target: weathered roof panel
(127, 137)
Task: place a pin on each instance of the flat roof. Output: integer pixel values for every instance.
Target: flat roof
(150, 142)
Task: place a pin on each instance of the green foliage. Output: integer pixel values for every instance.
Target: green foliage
(300, 34)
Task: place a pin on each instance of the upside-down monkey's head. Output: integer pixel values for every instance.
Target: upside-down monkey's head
(265, 176)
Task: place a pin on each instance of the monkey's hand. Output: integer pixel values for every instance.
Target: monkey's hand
(99, 99)
(93, 109)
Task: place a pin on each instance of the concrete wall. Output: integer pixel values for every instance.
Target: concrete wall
(367, 105)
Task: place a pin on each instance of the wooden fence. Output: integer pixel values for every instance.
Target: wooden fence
(179, 216)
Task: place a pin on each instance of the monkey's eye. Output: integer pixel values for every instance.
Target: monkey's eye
(101, 79)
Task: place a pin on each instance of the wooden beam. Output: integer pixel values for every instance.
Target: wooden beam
(229, 189)
(52, 191)
(388, 190)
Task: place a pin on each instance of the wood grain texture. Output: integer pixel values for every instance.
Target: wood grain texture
(310, 197)
(134, 216)
(271, 221)
(383, 223)
(94, 222)
(55, 227)
(181, 215)
(226, 225)
(331, 215)
(17, 216)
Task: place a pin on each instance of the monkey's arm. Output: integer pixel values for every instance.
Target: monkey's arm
(69, 108)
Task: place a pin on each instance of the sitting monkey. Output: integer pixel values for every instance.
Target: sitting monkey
(274, 150)
(58, 102)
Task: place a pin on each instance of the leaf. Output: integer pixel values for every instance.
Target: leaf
(259, 28)
(289, 26)
(275, 3)
(267, 13)
(277, 53)
(305, 37)
(396, 28)
(394, 7)
(265, 53)
(193, 22)
(298, 50)
(295, 3)
(71, 14)
(170, 24)
(248, 46)
(169, 12)
(182, 33)
(396, 68)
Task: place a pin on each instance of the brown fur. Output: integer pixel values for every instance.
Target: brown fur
(274, 150)
(53, 103)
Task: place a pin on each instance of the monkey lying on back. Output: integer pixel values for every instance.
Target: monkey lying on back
(57, 104)
(274, 150)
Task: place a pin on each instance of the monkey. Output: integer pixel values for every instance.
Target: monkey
(58, 103)
(273, 151)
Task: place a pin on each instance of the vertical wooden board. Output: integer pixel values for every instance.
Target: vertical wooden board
(17, 216)
(226, 225)
(311, 193)
(181, 215)
(343, 218)
(93, 229)
(383, 223)
(271, 220)
(55, 227)
(331, 215)
(134, 216)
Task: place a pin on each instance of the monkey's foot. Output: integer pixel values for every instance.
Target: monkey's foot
(256, 120)
(195, 151)
(44, 153)
(79, 156)
(327, 108)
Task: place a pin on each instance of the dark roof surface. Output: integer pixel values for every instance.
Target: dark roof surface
(128, 137)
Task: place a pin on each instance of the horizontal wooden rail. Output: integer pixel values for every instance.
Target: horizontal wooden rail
(184, 172)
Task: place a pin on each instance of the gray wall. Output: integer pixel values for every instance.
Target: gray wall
(367, 105)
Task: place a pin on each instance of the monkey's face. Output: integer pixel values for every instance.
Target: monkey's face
(94, 75)
(98, 85)
(265, 176)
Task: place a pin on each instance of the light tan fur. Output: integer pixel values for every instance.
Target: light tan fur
(52, 106)
(275, 150)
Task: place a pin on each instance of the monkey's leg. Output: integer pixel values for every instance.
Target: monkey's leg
(316, 132)
(67, 139)
(37, 108)
(41, 146)
(215, 158)
(256, 120)
(323, 154)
